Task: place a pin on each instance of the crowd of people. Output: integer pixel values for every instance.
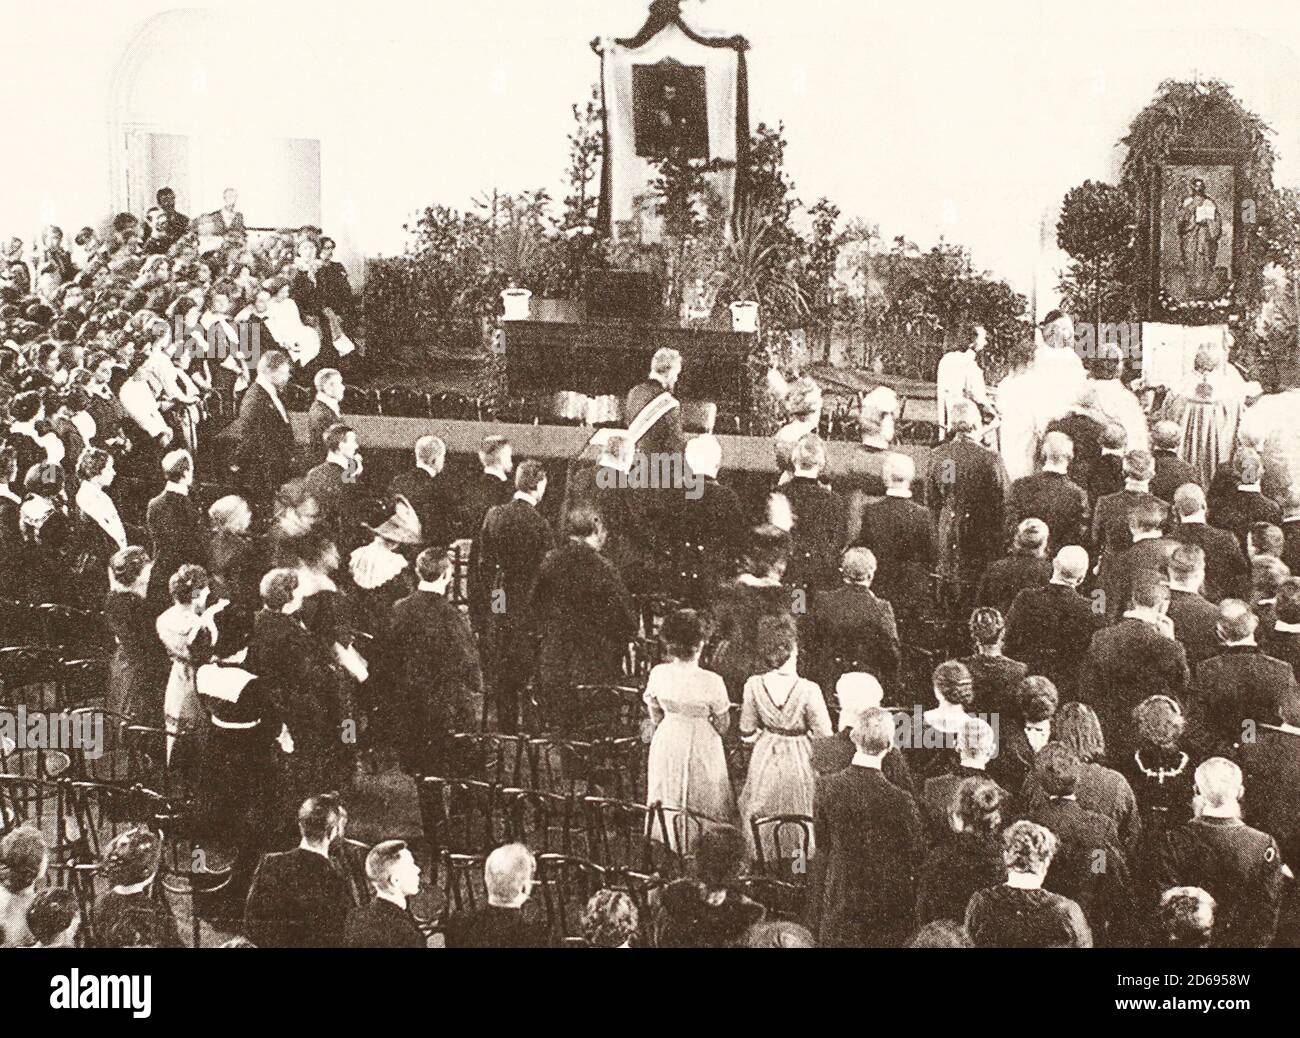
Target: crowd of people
(1055, 710)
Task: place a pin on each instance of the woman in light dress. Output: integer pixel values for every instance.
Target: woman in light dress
(283, 319)
(780, 715)
(689, 708)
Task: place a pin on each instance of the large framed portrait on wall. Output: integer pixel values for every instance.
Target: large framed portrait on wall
(1197, 231)
(670, 110)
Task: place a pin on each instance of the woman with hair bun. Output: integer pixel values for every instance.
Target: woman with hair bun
(970, 860)
(138, 672)
(780, 715)
(690, 711)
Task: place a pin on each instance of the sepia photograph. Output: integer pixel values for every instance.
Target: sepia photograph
(652, 475)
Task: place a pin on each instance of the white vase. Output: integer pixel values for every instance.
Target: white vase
(744, 317)
(515, 302)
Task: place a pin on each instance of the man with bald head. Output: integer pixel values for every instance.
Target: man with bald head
(1239, 508)
(1238, 866)
(1241, 687)
(1226, 572)
(1195, 617)
(712, 523)
(1049, 628)
(1050, 495)
(1171, 470)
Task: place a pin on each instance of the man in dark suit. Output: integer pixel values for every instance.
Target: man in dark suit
(1049, 628)
(1290, 524)
(1110, 521)
(977, 744)
(511, 546)
(1132, 660)
(430, 669)
(492, 486)
(819, 531)
(325, 410)
(386, 922)
(298, 899)
(333, 483)
(177, 531)
(1282, 640)
(1240, 867)
(1150, 551)
(711, 524)
(1196, 620)
(1106, 474)
(901, 534)
(583, 617)
(1226, 572)
(1050, 495)
(1026, 566)
(1172, 471)
(857, 693)
(664, 435)
(229, 220)
(1089, 867)
(1271, 767)
(442, 519)
(1085, 433)
(860, 474)
(508, 876)
(1240, 687)
(967, 488)
(631, 538)
(870, 846)
(851, 629)
(1239, 509)
(264, 456)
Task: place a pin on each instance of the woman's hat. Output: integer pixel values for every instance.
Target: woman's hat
(402, 527)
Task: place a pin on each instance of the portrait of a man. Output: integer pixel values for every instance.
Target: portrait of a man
(670, 110)
(1196, 232)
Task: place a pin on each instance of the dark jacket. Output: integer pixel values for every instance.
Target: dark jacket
(1240, 867)
(1271, 769)
(1196, 625)
(442, 520)
(819, 533)
(1124, 665)
(319, 418)
(1050, 628)
(953, 871)
(1239, 685)
(179, 536)
(1006, 578)
(849, 629)
(297, 900)
(665, 436)
(1110, 521)
(508, 558)
(1238, 510)
(1120, 570)
(1055, 499)
(381, 924)
(1172, 472)
(967, 494)
(266, 448)
(1227, 574)
(997, 683)
(832, 753)
(901, 534)
(870, 848)
(492, 927)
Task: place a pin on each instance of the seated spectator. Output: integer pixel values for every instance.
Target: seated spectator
(24, 858)
(386, 922)
(54, 919)
(706, 909)
(1020, 913)
(502, 923)
(609, 920)
(298, 899)
(134, 912)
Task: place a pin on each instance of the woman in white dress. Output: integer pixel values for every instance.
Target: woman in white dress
(286, 325)
(781, 714)
(689, 708)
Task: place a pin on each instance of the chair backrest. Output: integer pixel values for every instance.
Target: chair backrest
(467, 815)
(103, 756)
(43, 804)
(783, 843)
(103, 810)
(543, 821)
(462, 879)
(490, 757)
(622, 834)
(566, 885)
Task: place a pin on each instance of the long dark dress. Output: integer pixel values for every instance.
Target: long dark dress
(138, 673)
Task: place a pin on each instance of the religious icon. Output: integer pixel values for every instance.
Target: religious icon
(1196, 232)
(670, 110)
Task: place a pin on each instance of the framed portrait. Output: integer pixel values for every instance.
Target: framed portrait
(670, 110)
(1196, 230)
